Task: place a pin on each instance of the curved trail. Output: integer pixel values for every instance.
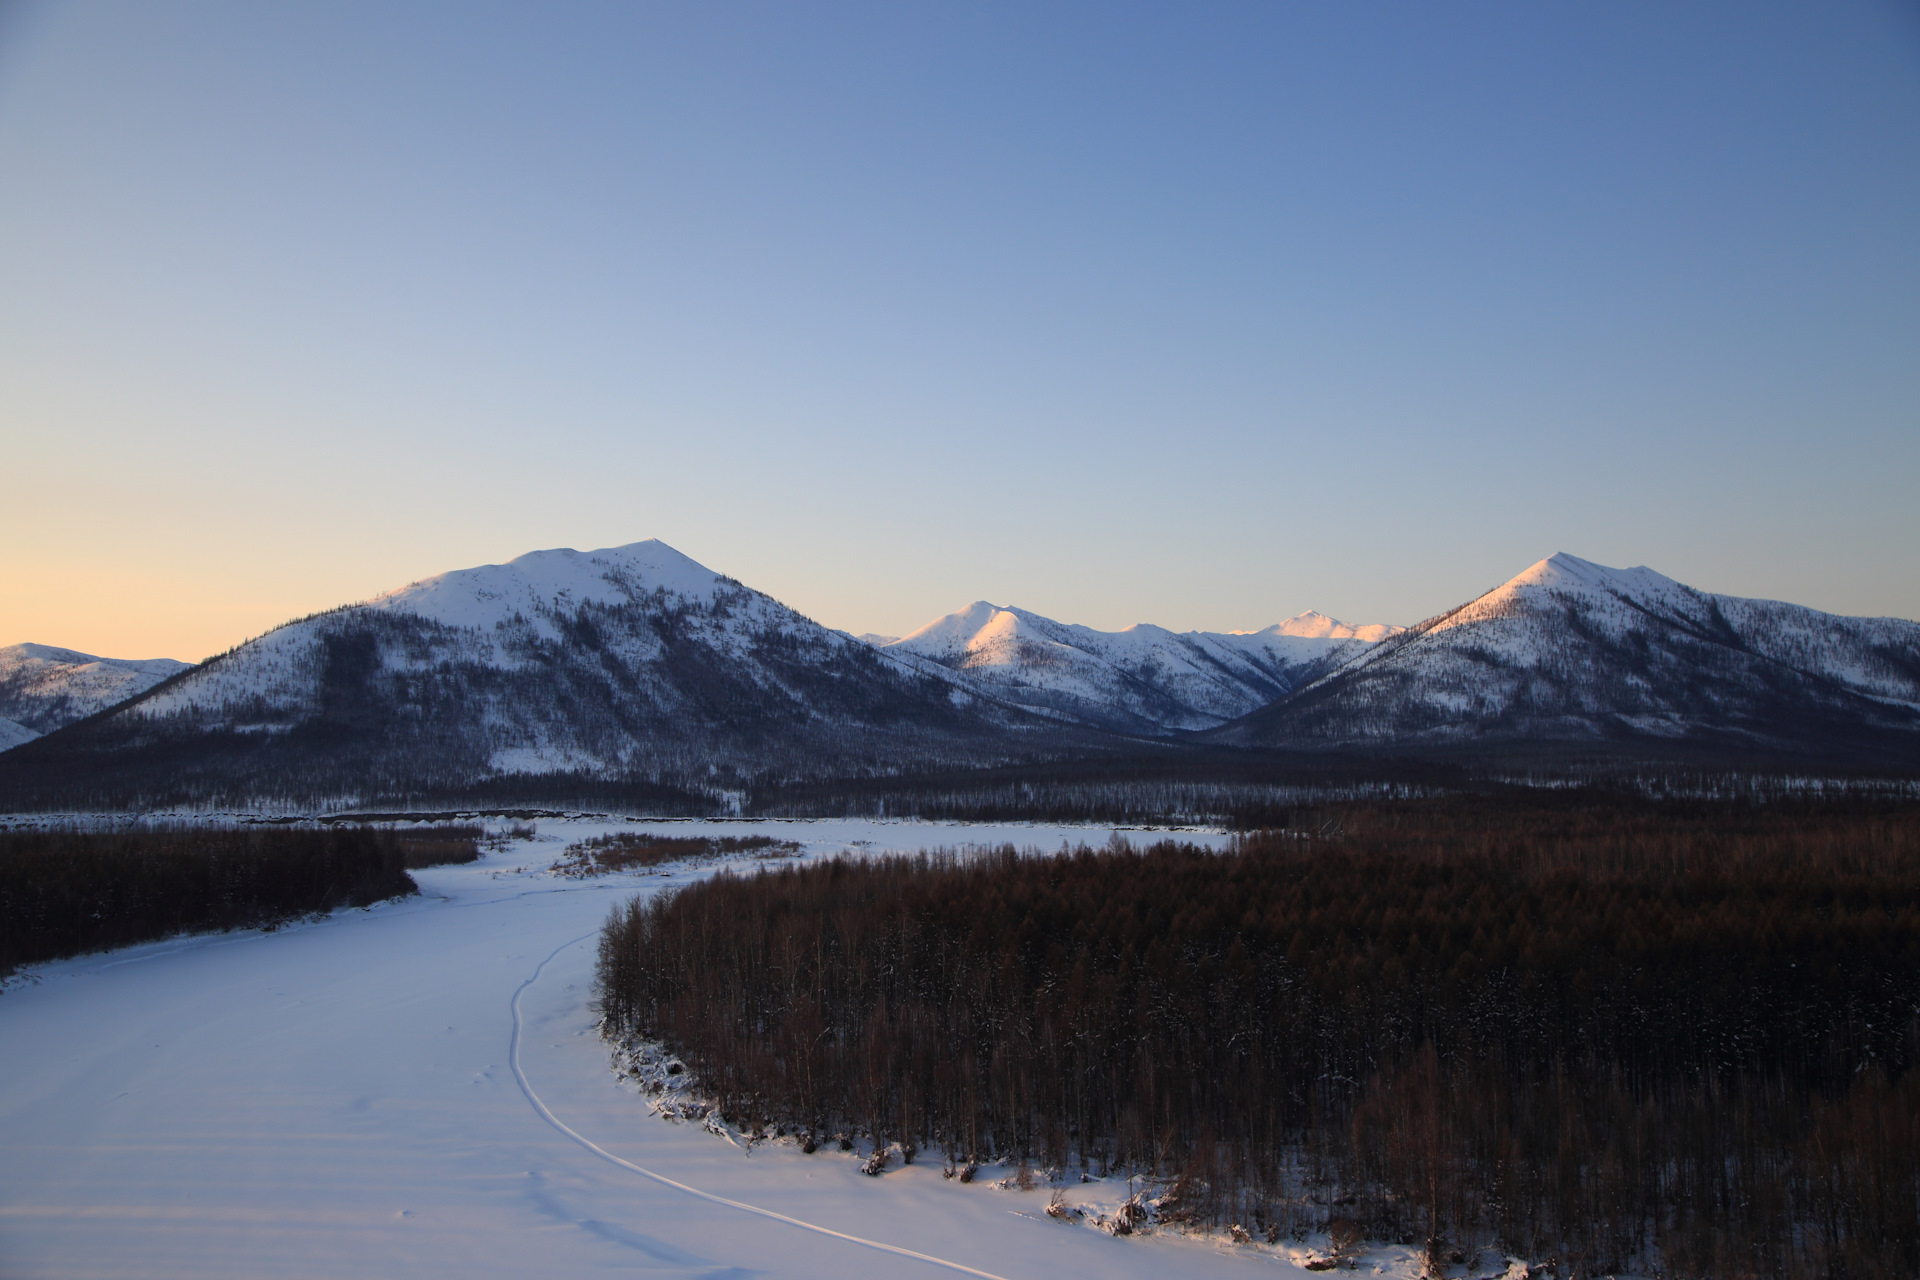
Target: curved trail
(547, 1115)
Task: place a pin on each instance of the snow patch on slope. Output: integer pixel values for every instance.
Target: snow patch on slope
(13, 733)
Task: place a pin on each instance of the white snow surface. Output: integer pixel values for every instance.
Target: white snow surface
(1144, 677)
(490, 594)
(417, 1089)
(43, 687)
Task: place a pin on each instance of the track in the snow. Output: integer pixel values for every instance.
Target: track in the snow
(533, 1098)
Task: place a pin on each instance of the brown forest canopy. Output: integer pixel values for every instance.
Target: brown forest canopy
(1600, 1030)
(64, 893)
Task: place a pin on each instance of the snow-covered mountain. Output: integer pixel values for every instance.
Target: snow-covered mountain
(43, 688)
(631, 663)
(1144, 679)
(1574, 651)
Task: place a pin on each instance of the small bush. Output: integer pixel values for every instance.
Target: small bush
(440, 846)
(630, 850)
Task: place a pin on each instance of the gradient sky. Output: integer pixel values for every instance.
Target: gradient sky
(1193, 314)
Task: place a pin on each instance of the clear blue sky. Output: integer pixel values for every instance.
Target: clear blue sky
(1194, 314)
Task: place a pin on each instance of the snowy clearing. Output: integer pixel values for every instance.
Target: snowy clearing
(417, 1088)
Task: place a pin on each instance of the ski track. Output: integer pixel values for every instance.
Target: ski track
(533, 1098)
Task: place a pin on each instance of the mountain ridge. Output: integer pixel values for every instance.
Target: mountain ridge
(1570, 650)
(632, 663)
(44, 687)
(637, 669)
(1142, 679)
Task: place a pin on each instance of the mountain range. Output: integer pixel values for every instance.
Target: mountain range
(632, 663)
(1145, 679)
(637, 667)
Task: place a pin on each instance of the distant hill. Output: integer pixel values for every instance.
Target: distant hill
(1574, 652)
(43, 688)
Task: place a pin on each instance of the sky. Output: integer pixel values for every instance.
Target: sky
(1201, 315)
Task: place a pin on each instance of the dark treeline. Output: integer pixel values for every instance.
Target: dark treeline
(1171, 784)
(65, 893)
(1174, 783)
(1605, 1032)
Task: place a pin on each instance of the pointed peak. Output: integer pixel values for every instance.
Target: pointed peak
(956, 627)
(1561, 571)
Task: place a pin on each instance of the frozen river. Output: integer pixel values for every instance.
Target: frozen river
(340, 1098)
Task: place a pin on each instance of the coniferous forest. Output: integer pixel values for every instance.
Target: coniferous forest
(65, 893)
(1603, 1031)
